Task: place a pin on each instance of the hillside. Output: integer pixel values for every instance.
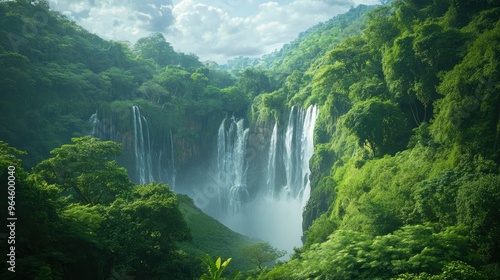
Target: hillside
(211, 237)
(312, 44)
(406, 147)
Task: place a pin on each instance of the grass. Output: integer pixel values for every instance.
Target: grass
(213, 238)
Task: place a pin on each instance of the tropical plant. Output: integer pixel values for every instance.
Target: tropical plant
(215, 269)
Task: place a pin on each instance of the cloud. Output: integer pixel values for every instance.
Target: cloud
(212, 29)
(214, 33)
(119, 20)
(154, 15)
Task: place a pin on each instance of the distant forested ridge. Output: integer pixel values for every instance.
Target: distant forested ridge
(405, 176)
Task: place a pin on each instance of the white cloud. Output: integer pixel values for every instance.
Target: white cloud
(213, 33)
(118, 20)
(212, 29)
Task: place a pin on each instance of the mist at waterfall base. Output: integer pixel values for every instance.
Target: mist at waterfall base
(272, 210)
(257, 191)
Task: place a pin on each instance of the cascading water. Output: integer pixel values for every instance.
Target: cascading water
(273, 212)
(149, 150)
(94, 120)
(271, 162)
(103, 127)
(231, 164)
(279, 213)
(307, 151)
(269, 206)
(143, 159)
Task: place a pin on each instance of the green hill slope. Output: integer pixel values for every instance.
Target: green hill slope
(211, 237)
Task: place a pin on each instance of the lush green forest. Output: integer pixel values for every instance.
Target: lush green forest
(405, 179)
(405, 175)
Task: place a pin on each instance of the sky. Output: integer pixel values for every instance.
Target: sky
(216, 30)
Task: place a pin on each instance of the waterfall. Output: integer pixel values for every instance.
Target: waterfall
(143, 159)
(298, 150)
(281, 221)
(271, 162)
(288, 151)
(231, 164)
(172, 160)
(271, 209)
(94, 120)
(267, 205)
(307, 151)
(151, 157)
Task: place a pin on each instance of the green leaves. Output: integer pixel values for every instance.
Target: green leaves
(262, 253)
(478, 206)
(467, 114)
(85, 168)
(126, 229)
(216, 268)
(380, 126)
(143, 228)
(435, 199)
(353, 255)
(156, 48)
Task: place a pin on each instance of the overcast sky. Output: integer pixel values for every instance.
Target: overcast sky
(212, 29)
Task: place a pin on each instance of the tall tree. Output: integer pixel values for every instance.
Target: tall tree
(379, 125)
(155, 47)
(86, 169)
(262, 254)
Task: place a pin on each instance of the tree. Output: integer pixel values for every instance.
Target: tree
(262, 253)
(142, 230)
(401, 70)
(155, 47)
(233, 99)
(469, 114)
(41, 234)
(379, 124)
(478, 206)
(254, 82)
(85, 168)
(435, 198)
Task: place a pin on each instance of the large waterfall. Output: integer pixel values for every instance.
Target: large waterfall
(257, 182)
(271, 211)
(162, 154)
(279, 218)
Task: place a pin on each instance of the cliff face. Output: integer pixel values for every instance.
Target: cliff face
(257, 155)
(154, 148)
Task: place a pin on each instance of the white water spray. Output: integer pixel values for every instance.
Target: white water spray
(231, 165)
(274, 212)
(279, 218)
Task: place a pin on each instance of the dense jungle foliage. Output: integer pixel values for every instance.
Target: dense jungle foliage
(405, 176)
